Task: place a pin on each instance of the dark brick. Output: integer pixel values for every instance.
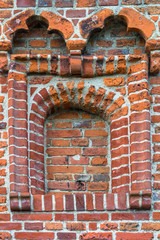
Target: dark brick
(64, 3)
(3, 125)
(66, 235)
(82, 124)
(45, 3)
(101, 178)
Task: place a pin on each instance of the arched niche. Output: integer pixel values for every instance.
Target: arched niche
(114, 39)
(37, 39)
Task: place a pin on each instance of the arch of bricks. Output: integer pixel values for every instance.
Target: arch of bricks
(133, 189)
(135, 22)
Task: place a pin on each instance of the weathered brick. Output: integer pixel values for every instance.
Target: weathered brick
(26, 3)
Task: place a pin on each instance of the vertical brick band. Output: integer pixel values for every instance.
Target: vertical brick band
(18, 134)
(140, 146)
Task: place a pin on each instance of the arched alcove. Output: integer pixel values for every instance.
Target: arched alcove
(114, 39)
(37, 39)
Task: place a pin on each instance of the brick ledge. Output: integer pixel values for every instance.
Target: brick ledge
(80, 201)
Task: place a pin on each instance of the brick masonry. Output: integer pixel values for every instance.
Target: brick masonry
(79, 119)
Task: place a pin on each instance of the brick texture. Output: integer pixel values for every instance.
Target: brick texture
(79, 119)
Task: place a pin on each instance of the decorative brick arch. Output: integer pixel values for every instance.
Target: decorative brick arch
(48, 100)
(55, 23)
(135, 22)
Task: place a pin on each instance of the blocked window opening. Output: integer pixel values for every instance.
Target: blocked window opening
(77, 155)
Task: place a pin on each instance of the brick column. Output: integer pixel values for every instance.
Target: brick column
(140, 147)
(18, 135)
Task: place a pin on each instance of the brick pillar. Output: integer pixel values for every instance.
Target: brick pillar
(18, 135)
(140, 146)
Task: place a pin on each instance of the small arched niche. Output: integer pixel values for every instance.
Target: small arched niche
(77, 154)
(114, 39)
(37, 40)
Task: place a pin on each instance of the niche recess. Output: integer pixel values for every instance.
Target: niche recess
(77, 153)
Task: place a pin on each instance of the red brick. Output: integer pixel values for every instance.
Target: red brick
(64, 217)
(64, 169)
(97, 169)
(61, 142)
(69, 202)
(37, 43)
(75, 13)
(33, 226)
(5, 235)
(64, 151)
(26, 3)
(5, 13)
(153, 10)
(97, 235)
(34, 235)
(96, 133)
(64, 3)
(130, 216)
(108, 2)
(57, 43)
(66, 186)
(89, 202)
(59, 202)
(129, 226)
(130, 2)
(66, 235)
(6, 4)
(53, 226)
(98, 186)
(76, 226)
(94, 151)
(93, 226)
(4, 217)
(64, 133)
(86, 3)
(156, 215)
(80, 142)
(99, 161)
(116, 81)
(10, 226)
(134, 236)
(154, 226)
(92, 216)
(33, 217)
(109, 226)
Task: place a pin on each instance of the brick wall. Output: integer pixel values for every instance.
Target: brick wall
(80, 119)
